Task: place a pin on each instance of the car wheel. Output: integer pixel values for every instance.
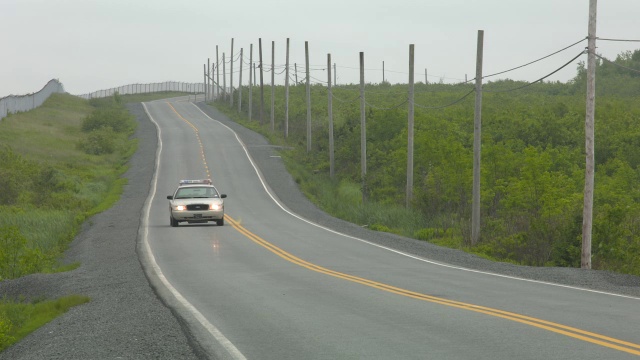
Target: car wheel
(220, 222)
(173, 222)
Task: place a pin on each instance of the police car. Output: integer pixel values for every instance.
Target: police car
(196, 201)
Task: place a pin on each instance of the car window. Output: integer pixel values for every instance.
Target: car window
(196, 192)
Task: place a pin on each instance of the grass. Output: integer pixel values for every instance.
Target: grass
(38, 228)
(18, 319)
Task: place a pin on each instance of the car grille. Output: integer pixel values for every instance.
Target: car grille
(198, 207)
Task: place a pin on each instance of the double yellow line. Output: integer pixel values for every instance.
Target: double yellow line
(575, 333)
(195, 129)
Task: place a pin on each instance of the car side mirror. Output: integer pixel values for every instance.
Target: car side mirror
(223, 195)
(170, 197)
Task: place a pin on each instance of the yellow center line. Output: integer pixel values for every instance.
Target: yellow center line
(195, 129)
(575, 333)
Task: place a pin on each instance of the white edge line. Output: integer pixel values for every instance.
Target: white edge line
(397, 251)
(217, 334)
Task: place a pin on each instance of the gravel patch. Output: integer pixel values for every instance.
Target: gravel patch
(127, 319)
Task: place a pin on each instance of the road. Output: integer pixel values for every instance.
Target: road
(272, 285)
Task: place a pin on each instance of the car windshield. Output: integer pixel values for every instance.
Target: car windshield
(196, 192)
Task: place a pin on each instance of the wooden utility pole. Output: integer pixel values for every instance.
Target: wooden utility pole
(308, 83)
(335, 79)
(250, 80)
(273, 86)
(426, 81)
(409, 199)
(207, 91)
(231, 77)
(589, 124)
(217, 72)
(286, 94)
(224, 78)
(205, 82)
(330, 111)
(240, 82)
(295, 70)
(477, 132)
(382, 71)
(363, 133)
(261, 83)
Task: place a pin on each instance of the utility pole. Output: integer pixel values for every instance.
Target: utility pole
(363, 133)
(207, 84)
(383, 71)
(224, 78)
(217, 72)
(410, 111)
(286, 94)
(330, 111)
(250, 79)
(477, 145)
(261, 83)
(231, 77)
(273, 87)
(335, 81)
(587, 215)
(308, 83)
(295, 67)
(240, 83)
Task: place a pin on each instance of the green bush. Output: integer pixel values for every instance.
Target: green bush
(99, 141)
(118, 119)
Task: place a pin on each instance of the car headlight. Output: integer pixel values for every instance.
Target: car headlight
(215, 206)
(180, 207)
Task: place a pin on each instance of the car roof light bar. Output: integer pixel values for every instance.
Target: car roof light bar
(201, 181)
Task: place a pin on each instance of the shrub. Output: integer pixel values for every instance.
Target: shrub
(12, 246)
(99, 141)
(118, 119)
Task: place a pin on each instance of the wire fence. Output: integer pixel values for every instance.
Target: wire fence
(16, 103)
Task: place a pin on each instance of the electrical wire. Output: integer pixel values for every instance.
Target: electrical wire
(445, 106)
(541, 79)
(618, 65)
(625, 40)
(535, 61)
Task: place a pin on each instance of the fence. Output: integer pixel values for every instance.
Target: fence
(15, 103)
(148, 88)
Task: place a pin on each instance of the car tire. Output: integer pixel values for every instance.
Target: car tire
(173, 222)
(220, 222)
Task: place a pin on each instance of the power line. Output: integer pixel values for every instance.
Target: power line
(539, 80)
(535, 61)
(445, 106)
(618, 65)
(625, 40)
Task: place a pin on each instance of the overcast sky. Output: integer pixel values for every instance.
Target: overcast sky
(96, 44)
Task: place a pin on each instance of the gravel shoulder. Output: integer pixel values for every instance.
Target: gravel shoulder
(127, 319)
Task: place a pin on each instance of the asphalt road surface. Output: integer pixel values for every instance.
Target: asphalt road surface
(271, 284)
